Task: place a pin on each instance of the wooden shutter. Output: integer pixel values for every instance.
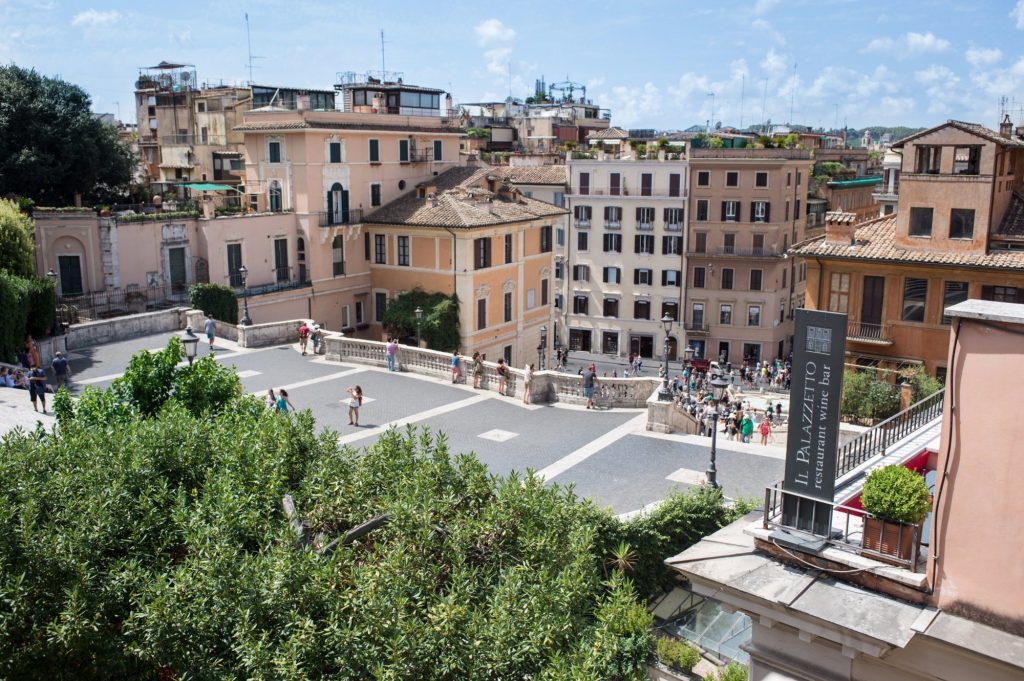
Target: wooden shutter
(767, 211)
(673, 184)
(723, 210)
(753, 210)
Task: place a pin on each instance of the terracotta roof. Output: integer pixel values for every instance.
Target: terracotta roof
(608, 134)
(875, 240)
(462, 200)
(1012, 224)
(973, 128)
(260, 126)
(532, 174)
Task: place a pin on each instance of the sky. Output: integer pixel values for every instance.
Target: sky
(664, 65)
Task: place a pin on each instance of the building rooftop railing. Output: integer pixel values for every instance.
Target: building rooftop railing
(351, 216)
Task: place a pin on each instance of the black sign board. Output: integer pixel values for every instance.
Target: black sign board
(819, 348)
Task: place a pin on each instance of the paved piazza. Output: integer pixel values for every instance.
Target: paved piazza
(606, 455)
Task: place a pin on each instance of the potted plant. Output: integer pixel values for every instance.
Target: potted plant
(898, 500)
(676, 655)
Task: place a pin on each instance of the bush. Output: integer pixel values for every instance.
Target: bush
(675, 654)
(734, 671)
(922, 385)
(896, 493)
(215, 299)
(42, 306)
(27, 307)
(866, 397)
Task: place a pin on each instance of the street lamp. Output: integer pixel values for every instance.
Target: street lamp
(52, 276)
(419, 316)
(718, 386)
(665, 394)
(243, 273)
(191, 343)
(542, 346)
(688, 354)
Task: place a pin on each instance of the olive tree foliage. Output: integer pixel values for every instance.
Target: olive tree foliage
(17, 247)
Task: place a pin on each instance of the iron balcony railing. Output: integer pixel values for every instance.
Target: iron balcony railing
(695, 327)
(875, 440)
(342, 217)
(117, 302)
(673, 227)
(752, 252)
(860, 331)
(261, 289)
(583, 224)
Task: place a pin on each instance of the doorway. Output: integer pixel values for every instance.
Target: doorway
(752, 352)
(723, 351)
(579, 340)
(337, 205)
(177, 271)
(610, 342)
(70, 269)
(642, 346)
(871, 300)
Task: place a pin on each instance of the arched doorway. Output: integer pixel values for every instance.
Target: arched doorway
(337, 205)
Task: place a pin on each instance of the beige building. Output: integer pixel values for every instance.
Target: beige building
(619, 267)
(746, 209)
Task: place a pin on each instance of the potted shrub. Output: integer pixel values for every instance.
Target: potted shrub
(898, 497)
(676, 655)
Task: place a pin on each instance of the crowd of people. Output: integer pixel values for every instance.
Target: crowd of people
(29, 375)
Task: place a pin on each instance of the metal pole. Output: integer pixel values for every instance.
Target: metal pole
(665, 392)
(712, 472)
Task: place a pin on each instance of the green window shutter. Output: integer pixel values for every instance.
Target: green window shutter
(437, 150)
(403, 150)
(374, 151)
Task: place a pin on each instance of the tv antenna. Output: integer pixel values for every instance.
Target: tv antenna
(382, 67)
(248, 40)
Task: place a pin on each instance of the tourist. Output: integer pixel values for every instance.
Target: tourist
(455, 365)
(589, 379)
(747, 427)
(37, 387)
(765, 430)
(211, 329)
(527, 384)
(303, 337)
(392, 352)
(502, 371)
(61, 370)
(316, 337)
(271, 399)
(283, 403)
(355, 400)
(478, 369)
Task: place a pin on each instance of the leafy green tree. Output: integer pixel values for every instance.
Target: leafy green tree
(215, 299)
(51, 146)
(439, 327)
(17, 248)
(866, 397)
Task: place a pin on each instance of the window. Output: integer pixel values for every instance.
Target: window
(673, 219)
(481, 314)
(730, 211)
(366, 245)
(403, 151)
(614, 184)
(644, 244)
(559, 270)
(796, 208)
(789, 178)
(612, 217)
(753, 315)
(482, 253)
(508, 249)
(580, 304)
(273, 152)
(799, 177)
(346, 316)
(338, 255)
(727, 278)
(671, 245)
(234, 264)
(580, 273)
(558, 301)
(700, 242)
(671, 309)
(584, 183)
(702, 210)
(544, 286)
(732, 179)
(703, 178)
(670, 278)
(559, 199)
(784, 273)
(697, 315)
(582, 241)
(612, 243)
(760, 179)
(438, 153)
(380, 306)
(374, 151)
(508, 307)
(928, 159)
(646, 184)
(755, 280)
(275, 196)
(374, 194)
(531, 298)
(612, 275)
(641, 309)
(839, 293)
(955, 292)
(611, 307)
(921, 221)
(583, 215)
(380, 249)
(560, 236)
(961, 223)
(403, 251)
(759, 211)
(915, 293)
(729, 241)
(725, 314)
(1003, 294)
(545, 239)
(698, 277)
(645, 218)
(360, 312)
(674, 184)
(643, 276)
(786, 218)
(334, 152)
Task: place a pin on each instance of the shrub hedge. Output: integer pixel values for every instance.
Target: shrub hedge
(215, 299)
(26, 307)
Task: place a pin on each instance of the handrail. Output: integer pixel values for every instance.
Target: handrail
(880, 436)
(864, 331)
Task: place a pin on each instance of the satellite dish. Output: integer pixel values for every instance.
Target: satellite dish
(185, 76)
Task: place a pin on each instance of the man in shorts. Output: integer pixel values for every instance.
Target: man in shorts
(211, 330)
(589, 379)
(303, 337)
(61, 370)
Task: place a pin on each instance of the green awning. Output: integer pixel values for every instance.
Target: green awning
(205, 187)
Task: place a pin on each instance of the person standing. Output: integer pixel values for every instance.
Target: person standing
(455, 366)
(527, 384)
(765, 429)
(315, 336)
(502, 375)
(747, 427)
(61, 370)
(478, 369)
(211, 329)
(37, 386)
(303, 337)
(283, 403)
(589, 379)
(271, 399)
(392, 351)
(355, 400)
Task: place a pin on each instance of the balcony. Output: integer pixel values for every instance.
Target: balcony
(613, 224)
(351, 216)
(645, 226)
(871, 334)
(419, 156)
(695, 328)
(750, 252)
(673, 227)
(583, 224)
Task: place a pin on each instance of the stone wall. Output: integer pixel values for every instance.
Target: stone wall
(123, 328)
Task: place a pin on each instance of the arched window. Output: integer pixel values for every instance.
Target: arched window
(338, 255)
(275, 196)
(337, 205)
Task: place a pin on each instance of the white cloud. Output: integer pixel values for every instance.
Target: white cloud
(1017, 13)
(632, 106)
(935, 73)
(497, 60)
(774, 64)
(981, 56)
(908, 45)
(767, 29)
(897, 105)
(493, 31)
(765, 6)
(92, 17)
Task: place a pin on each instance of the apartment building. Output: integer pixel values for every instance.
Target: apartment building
(957, 233)
(747, 209)
(619, 266)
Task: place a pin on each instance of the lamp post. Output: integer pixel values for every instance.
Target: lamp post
(665, 394)
(191, 343)
(542, 346)
(718, 386)
(688, 354)
(243, 273)
(52, 276)
(419, 316)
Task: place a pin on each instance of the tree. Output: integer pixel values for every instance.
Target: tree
(17, 247)
(51, 146)
(866, 397)
(439, 327)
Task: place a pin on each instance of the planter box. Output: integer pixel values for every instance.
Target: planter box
(885, 537)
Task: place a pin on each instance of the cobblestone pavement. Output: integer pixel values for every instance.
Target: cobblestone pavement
(606, 455)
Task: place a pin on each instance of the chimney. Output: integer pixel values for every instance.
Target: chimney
(1006, 127)
(839, 228)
